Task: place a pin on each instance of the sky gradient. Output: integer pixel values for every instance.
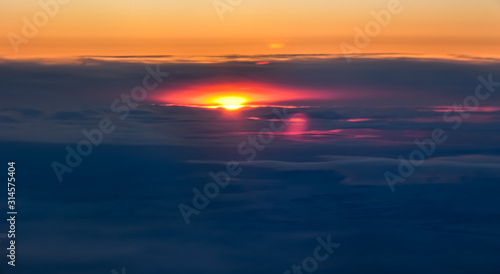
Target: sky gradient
(193, 27)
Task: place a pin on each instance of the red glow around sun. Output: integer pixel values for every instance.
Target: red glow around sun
(234, 95)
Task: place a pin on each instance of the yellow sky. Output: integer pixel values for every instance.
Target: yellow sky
(194, 27)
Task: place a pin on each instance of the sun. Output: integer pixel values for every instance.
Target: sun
(231, 102)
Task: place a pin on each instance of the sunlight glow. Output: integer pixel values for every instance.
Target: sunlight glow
(231, 102)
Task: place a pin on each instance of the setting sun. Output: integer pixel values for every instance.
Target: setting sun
(232, 102)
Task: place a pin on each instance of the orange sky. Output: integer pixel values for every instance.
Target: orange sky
(193, 27)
